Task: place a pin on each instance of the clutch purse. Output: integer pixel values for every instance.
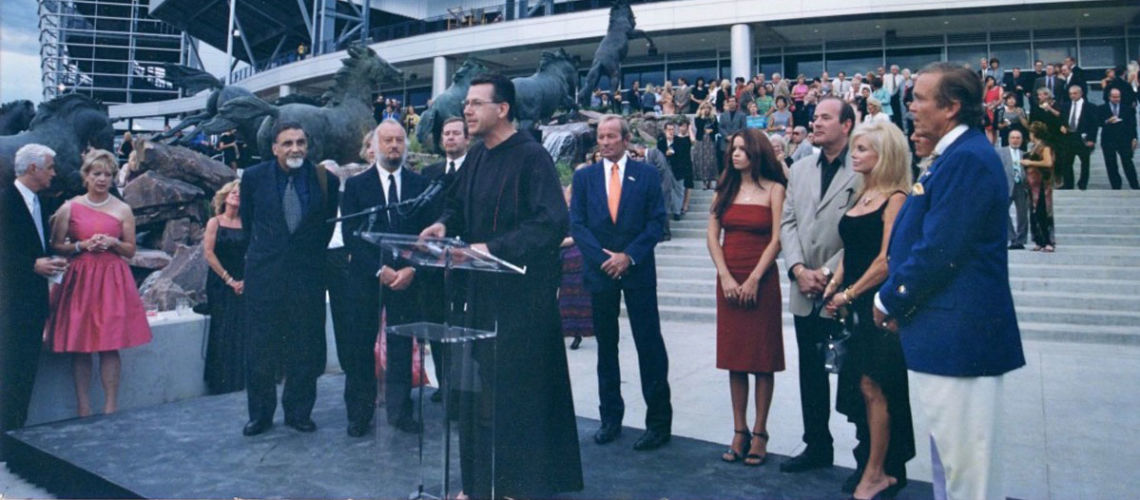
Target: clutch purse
(835, 349)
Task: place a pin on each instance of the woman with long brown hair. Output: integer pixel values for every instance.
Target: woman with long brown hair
(749, 328)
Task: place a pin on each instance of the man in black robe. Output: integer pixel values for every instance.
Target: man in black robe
(507, 201)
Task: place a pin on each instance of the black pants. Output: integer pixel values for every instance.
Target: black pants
(20, 346)
(1074, 149)
(812, 333)
(652, 360)
(340, 305)
(1110, 164)
(360, 369)
(287, 331)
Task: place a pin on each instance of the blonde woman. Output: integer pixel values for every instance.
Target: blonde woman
(666, 99)
(97, 309)
(872, 389)
(224, 244)
(704, 148)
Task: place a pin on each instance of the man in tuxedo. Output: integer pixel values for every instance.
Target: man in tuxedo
(1077, 75)
(382, 283)
(1014, 83)
(1018, 190)
(947, 294)
(1078, 137)
(820, 190)
(1118, 139)
(616, 217)
(285, 202)
(24, 264)
(454, 140)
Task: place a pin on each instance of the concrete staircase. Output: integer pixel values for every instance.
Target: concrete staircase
(1088, 291)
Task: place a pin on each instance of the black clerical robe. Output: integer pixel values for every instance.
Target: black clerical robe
(509, 197)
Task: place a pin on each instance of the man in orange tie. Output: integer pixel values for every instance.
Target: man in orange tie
(617, 216)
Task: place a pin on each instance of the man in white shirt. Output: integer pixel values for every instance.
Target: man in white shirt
(1018, 190)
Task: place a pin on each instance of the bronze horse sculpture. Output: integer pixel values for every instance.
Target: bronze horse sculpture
(447, 104)
(538, 96)
(195, 80)
(68, 124)
(334, 129)
(15, 116)
(613, 49)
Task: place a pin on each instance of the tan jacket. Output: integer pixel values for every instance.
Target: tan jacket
(809, 230)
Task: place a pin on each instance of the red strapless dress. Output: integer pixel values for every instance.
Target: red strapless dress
(97, 307)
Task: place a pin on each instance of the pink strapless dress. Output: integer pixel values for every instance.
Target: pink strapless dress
(97, 307)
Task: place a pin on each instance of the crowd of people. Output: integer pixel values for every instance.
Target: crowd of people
(823, 173)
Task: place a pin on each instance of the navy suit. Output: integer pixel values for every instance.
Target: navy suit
(639, 226)
(23, 305)
(1072, 144)
(1116, 141)
(285, 288)
(949, 269)
(355, 350)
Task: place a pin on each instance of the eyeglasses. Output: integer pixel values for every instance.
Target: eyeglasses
(477, 102)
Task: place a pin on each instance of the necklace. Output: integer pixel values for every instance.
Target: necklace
(867, 199)
(93, 204)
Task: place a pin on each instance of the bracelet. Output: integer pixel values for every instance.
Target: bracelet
(847, 295)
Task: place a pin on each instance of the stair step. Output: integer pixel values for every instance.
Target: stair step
(705, 297)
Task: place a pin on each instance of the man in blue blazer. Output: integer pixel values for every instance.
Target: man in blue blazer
(947, 294)
(617, 216)
(284, 205)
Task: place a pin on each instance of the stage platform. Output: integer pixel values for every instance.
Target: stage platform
(194, 449)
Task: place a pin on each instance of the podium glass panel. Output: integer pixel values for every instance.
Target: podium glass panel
(468, 353)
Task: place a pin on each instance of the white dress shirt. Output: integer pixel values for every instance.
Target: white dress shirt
(384, 182)
(458, 163)
(30, 200)
(608, 167)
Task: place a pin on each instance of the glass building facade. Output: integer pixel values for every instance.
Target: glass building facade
(107, 49)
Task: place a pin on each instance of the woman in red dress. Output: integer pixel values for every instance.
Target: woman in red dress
(749, 327)
(97, 307)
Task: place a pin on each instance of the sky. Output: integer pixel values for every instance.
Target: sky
(19, 51)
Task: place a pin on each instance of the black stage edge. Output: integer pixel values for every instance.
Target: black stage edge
(194, 449)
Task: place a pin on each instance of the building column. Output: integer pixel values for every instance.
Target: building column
(741, 51)
(284, 90)
(439, 74)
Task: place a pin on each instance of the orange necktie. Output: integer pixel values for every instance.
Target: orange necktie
(615, 192)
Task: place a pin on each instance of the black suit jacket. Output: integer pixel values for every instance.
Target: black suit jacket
(1119, 134)
(1087, 123)
(275, 256)
(25, 292)
(364, 191)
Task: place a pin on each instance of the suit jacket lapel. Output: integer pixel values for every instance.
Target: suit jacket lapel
(839, 183)
(18, 205)
(627, 188)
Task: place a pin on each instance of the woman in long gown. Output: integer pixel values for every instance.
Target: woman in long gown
(1038, 165)
(749, 328)
(704, 150)
(573, 298)
(224, 245)
(97, 308)
(872, 389)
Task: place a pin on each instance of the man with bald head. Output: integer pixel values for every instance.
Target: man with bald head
(381, 283)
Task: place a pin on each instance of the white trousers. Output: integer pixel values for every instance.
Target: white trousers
(963, 414)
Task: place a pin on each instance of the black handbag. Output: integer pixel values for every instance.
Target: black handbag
(835, 349)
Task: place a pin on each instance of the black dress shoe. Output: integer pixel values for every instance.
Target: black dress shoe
(576, 343)
(255, 427)
(651, 440)
(607, 433)
(305, 425)
(808, 460)
(1017, 246)
(408, 425)
(358, 429)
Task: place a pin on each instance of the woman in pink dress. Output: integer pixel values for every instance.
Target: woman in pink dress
(97, 308)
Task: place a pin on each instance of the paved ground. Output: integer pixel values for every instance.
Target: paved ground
(1069, 414)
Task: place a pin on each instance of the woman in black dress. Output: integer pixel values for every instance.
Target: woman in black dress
(872, 389)
(224, 246)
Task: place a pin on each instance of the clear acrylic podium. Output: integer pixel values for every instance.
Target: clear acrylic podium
(448, 254)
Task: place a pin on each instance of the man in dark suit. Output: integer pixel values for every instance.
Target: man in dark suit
(617, 216)
(1030, 81)
(24, 265)
(1049, 81)
(454, 140)
(1075, 75)
(285, 203)
(1118, 139)
(1014, 83)
(385, 183)
(1018, 189)
(1078, 137)
(947, 294)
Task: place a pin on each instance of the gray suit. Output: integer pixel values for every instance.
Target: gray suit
(809, 230)
(654, 157)
(810, 236)
(1018, 196)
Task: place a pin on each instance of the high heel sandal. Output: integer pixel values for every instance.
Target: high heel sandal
(731, 455)
(759, 459)
(576, 343)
